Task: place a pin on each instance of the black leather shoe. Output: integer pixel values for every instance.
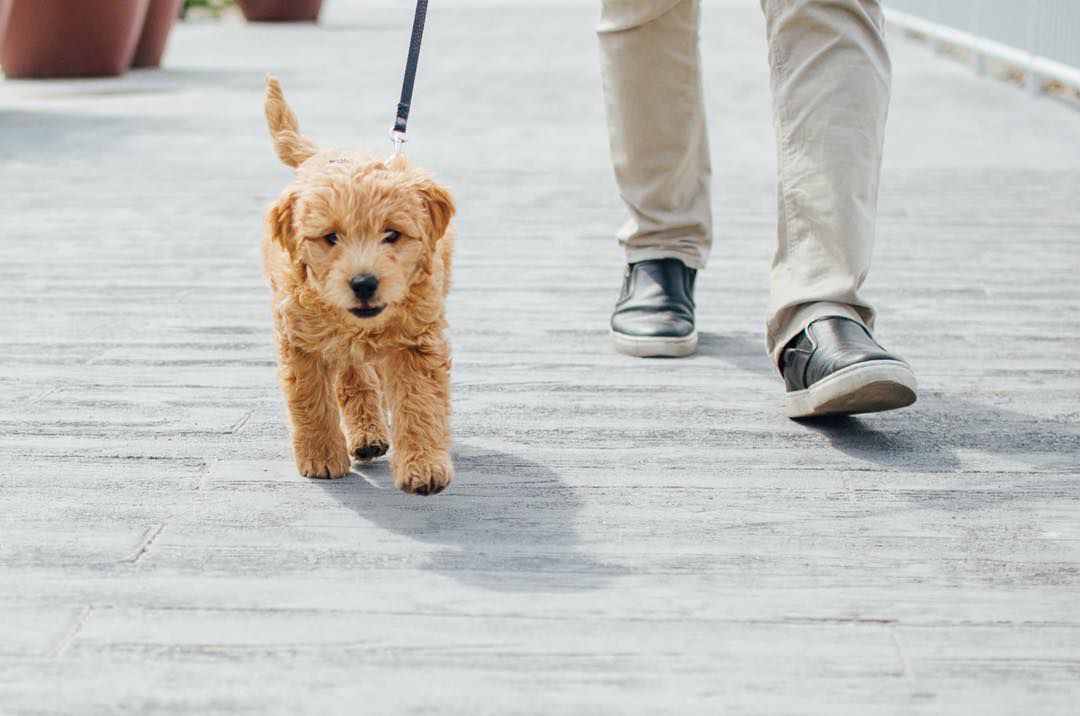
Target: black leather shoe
(835, 367)
(655, 312)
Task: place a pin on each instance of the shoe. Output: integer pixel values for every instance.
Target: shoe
(655, 312)
(835, 367)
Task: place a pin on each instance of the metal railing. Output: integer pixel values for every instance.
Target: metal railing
(1039, 37)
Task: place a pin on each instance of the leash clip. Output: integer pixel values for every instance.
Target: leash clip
(398, 138)
(397, 133)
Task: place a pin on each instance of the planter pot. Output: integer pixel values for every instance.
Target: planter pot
(280, 10)
(155, 32)
(5, 13)
(72, 38)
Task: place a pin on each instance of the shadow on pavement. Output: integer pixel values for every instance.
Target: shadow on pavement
(147, 81)
(743, 351)
(927, 436)
(507, 524)
(64, 135)
(87, 118)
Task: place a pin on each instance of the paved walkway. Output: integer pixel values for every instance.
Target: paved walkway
(624, 535)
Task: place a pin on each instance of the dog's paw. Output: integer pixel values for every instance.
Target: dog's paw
(428, 475)
(367, 444)
(323, 460)
(370, 451)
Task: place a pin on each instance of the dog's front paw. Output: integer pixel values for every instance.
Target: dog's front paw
(370, 451)
(423, 475)
(323, 458)
(366, 445)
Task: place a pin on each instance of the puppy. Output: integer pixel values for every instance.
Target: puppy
(357, 252)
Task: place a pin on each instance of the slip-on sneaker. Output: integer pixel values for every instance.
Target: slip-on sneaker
(654, 315)
(835, 367)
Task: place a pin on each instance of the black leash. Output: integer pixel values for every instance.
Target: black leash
(402, 119)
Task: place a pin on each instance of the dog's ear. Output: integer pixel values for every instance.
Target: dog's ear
(281, 223)
(440, 206)
(291, 147)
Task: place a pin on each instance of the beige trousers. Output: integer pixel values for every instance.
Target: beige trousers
(830, 83)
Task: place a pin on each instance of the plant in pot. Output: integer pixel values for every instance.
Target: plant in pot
(280, 10)
(71, 38)
(213, 8)
(155, 32)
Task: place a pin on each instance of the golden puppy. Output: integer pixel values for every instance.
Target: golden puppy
(357, 252)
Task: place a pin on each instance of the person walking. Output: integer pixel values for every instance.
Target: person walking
(830, 78)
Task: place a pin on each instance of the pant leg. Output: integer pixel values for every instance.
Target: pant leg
(656, 123)
(830, 81)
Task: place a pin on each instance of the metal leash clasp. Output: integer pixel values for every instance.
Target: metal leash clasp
(398, 138)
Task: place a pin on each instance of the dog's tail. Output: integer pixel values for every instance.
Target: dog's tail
(292, 147)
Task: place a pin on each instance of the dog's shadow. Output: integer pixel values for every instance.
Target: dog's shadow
(506, 523)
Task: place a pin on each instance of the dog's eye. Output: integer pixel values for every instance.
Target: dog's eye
(330, 238)
(391, 236)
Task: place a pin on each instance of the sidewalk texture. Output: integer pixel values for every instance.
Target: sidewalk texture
(624, 535)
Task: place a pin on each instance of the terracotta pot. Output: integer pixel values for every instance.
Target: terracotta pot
(159, 21)
(5, 12)
(72, 38)
(280, 10)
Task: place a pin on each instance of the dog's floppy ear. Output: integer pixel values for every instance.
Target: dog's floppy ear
(281, 223)
(440, 205)
(291, 147)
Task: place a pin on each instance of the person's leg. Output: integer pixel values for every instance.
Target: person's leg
(659, 148)
(830, 81)
(656, 127)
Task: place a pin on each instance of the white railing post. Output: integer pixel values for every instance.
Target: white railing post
(935, 14)
(978, 59)
(1032, 79)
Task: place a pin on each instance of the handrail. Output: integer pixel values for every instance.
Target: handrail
(1039, 37)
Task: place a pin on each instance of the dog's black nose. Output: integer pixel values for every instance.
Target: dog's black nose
(364, 286)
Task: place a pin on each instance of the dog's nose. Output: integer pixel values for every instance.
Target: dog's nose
(364, 286)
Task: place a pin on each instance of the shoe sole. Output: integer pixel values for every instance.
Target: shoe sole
(654, 346)
(870, 387)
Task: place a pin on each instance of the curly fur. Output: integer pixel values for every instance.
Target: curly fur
(346, 376)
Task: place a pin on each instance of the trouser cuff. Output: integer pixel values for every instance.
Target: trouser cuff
(691, 259)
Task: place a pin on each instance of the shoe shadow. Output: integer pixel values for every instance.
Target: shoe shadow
(893, 441)
(742, 351)
(931, 435)
(941, 432)
(507, 524)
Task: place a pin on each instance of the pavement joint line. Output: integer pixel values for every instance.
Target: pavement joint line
(149, 537)
(72, 633)
(41, 396)
(901, 653)
(239, 424)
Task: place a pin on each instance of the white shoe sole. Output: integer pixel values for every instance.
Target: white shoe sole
(654, 346)
(870, 387)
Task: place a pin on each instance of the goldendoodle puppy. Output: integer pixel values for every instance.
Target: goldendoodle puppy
(357, 252)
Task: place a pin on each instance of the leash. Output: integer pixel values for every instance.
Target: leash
(397, 134)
